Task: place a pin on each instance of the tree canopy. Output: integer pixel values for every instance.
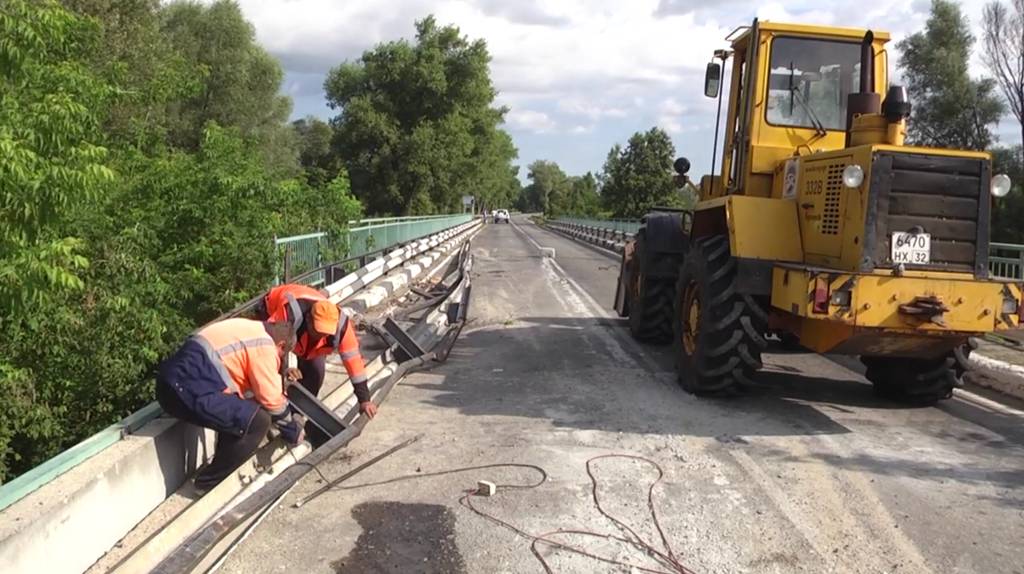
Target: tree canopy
(951, 109)
(639, 176)
(417, 127)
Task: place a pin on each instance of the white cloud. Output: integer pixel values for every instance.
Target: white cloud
(571, 71)
(530, 120)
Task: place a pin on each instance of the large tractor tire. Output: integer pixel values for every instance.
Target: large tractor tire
(650, 299)
(918, 381)
(719, 332)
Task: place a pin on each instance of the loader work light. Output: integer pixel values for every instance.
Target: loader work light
(1000, 185)
(853, 176)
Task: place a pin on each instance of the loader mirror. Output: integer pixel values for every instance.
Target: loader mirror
(712, 79)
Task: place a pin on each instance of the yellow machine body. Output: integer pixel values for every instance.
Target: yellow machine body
(800, 230)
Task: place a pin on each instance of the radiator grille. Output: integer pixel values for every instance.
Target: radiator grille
(946, 197)
(833, 195)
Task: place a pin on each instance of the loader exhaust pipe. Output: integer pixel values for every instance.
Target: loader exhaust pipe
(865, 100)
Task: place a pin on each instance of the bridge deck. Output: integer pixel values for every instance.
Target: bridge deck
(810, 473)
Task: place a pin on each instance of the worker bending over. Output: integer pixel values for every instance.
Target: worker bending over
(227, 377)
(320, 329)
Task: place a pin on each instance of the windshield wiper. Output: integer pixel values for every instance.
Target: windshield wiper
(795, 95)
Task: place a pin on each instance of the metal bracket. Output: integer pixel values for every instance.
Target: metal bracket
(324, 423)
(408, 348)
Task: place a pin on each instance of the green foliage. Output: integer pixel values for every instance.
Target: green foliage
(51, 165)
(417, 129)
(145, 167)
(1008, 212)
(640, 176)
(951, 109)
(548, 183)
(318, 160)
(240, 81)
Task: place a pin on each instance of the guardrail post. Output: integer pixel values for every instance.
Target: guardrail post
(287, 264)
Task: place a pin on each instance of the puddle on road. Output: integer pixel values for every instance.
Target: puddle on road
(400, 537)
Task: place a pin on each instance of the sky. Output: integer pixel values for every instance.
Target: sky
(577, 76)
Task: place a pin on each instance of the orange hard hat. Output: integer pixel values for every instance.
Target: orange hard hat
(325, 317)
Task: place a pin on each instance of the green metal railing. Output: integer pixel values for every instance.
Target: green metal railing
(1006, 260)
(301, 253)
(370, 235)
(625, 225)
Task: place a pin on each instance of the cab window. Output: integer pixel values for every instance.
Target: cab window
(809, 81)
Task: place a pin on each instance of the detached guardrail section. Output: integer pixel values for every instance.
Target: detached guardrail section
(116, 502)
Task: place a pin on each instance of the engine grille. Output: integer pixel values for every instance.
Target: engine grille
(833, 198)
(947, 197)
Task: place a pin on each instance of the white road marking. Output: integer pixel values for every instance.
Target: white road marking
(618, 340)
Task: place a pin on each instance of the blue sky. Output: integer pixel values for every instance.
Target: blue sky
(578, 76)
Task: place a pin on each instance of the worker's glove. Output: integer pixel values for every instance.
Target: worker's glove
(290, 428)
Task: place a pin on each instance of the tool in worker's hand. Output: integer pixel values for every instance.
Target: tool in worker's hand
(357, 470)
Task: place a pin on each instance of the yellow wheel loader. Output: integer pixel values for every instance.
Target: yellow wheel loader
(821, 226)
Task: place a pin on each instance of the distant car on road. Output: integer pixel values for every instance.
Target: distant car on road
(501, 216)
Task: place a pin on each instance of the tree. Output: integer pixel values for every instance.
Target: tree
(51, 165)
(240, 87)
(950, 108)
(51, 168)
(549, 188)
(315, 154)
(1004, 52)
(417, 128)
(640, 176)
(584, 199)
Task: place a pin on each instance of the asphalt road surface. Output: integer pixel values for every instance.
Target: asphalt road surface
(809, 472)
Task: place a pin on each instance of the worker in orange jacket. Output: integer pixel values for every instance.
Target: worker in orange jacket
(227, 377)
(320, 329)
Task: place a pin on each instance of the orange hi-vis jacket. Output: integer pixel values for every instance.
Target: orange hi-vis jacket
(248, 361)
(292, 303)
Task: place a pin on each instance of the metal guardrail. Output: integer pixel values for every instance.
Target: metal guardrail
(625, 225)
(301, 253)
(1006, 260)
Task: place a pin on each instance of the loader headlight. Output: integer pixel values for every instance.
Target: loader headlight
(1000, 185)
(853, 175)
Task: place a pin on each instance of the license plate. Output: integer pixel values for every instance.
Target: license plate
(911, 248)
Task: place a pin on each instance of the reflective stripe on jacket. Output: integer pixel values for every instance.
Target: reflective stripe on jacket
(292, 303)
(247, 360)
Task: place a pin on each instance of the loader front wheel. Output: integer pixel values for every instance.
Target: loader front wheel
(918, 381)
(719, 332)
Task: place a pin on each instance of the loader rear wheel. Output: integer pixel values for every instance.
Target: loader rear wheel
(719, 332)
(650, 301)
(918, 381)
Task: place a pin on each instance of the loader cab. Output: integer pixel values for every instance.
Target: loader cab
(788, 91)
